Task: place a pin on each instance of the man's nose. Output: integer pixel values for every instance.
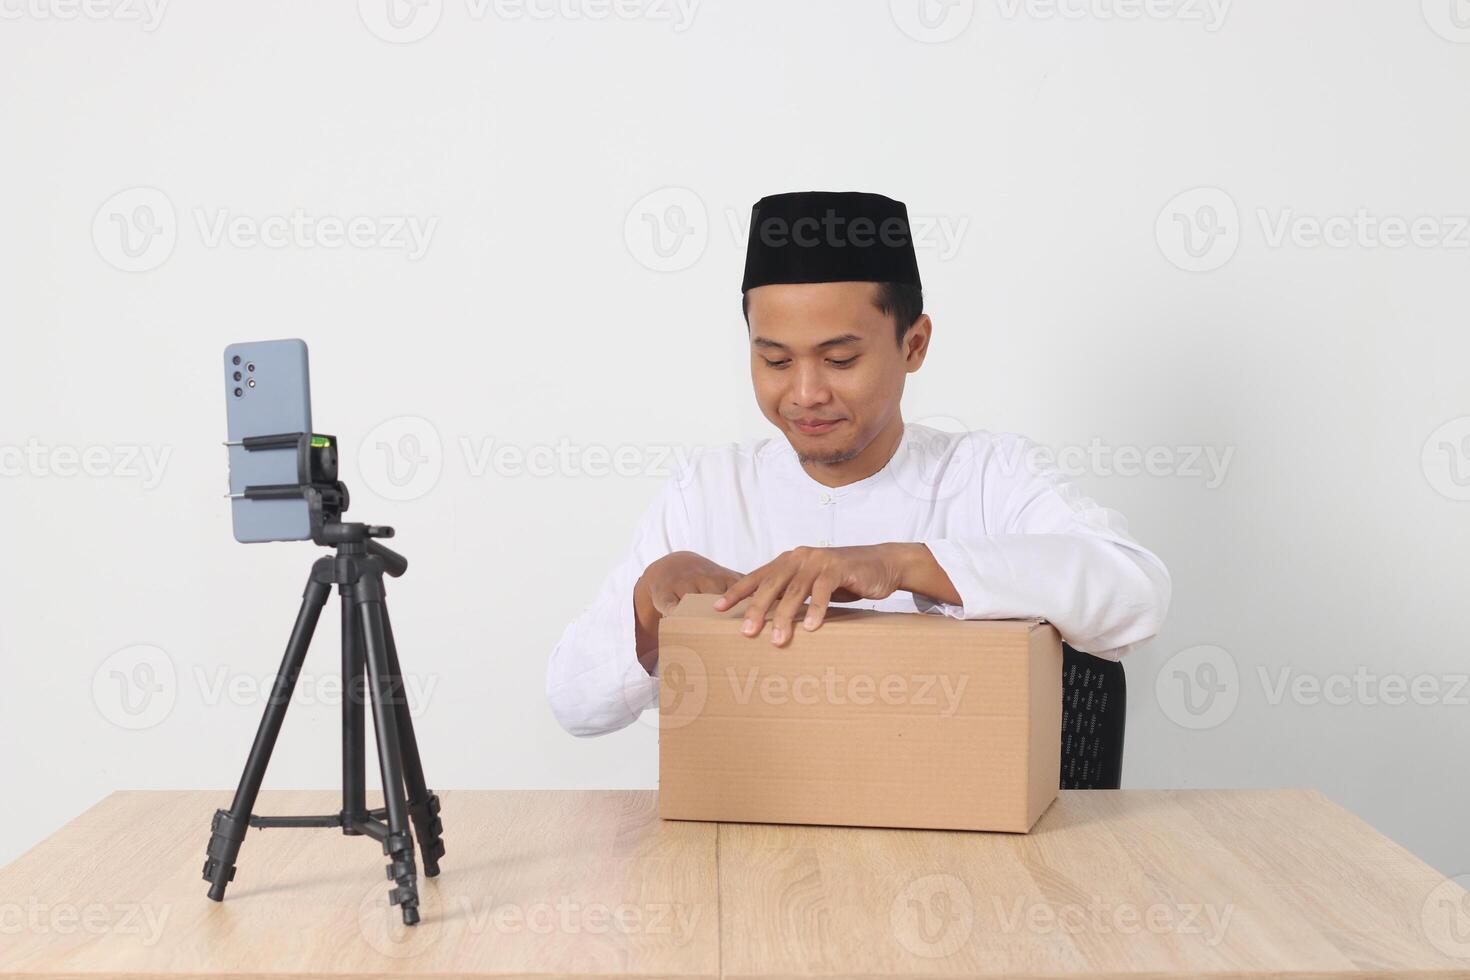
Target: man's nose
(809, 386)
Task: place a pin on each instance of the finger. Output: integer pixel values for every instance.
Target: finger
(772, 586)
(716, 585)
(743, 586)
(664, 600)
(708, 584)
(720, 584)
(796, 592)
(821, 596)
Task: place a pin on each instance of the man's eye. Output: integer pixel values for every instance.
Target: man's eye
(846, 362)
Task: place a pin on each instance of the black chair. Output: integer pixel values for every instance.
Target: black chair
(1094, 704)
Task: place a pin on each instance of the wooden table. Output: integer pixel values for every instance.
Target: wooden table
(1168, 883)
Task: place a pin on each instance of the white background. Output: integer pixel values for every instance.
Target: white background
(1053, 144)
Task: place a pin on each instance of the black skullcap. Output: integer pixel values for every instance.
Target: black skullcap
(829, 236)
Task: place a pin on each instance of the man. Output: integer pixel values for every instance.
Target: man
(851, 505)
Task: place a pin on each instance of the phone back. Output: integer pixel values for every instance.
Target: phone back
(267, 392)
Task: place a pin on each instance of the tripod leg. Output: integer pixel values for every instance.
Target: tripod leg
(423, 805)
(228, 827)
(398, 845)
(354, 700)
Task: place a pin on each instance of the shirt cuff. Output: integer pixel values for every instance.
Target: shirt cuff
(958, 564)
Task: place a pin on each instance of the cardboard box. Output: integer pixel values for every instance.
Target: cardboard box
(874, 719)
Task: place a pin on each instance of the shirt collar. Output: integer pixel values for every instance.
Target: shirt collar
(787, 458)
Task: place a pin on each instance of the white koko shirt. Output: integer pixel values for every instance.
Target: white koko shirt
(1014, 537)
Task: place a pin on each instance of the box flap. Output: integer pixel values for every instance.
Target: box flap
(701, 606)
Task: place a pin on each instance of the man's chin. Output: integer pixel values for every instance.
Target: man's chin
(824, 456)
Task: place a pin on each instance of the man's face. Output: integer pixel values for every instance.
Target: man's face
(823, 353)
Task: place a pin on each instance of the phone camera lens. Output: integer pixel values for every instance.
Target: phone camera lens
(237, 375)
(250, 367)
(251, 382)
(235, 359)
(238, 392)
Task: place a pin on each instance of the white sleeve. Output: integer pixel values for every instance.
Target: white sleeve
(1054, 554)
(594, 682)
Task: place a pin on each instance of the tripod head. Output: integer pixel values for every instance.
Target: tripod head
(336, 534)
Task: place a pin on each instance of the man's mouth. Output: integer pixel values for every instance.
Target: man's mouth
(815, 427)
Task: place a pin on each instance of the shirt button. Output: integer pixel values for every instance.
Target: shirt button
(825, 498)
(823, 543)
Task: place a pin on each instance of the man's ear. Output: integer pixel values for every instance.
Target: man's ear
(916, 343)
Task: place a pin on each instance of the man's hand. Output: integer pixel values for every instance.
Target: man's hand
(825, 575)
(676, 575)
(660, 588)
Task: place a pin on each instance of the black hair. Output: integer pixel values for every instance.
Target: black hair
(903, 300)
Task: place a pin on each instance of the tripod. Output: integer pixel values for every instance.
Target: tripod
(357, 569)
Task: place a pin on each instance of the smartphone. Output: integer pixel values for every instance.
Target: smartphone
(267, 392)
